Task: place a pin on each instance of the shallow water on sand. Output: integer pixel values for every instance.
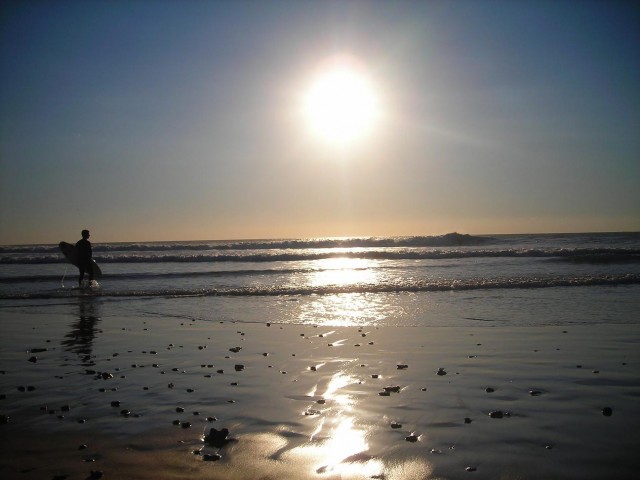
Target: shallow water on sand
(304, 401)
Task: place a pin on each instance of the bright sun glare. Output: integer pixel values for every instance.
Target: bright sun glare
(340, 105)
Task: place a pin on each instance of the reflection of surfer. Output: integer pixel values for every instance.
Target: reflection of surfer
(83, 247)
(83, 330)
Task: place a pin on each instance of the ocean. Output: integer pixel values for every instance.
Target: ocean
(453, 279)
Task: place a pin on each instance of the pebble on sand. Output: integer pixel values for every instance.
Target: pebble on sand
(217, 438)
(607, 411)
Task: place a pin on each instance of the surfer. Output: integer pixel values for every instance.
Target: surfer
(83, 246)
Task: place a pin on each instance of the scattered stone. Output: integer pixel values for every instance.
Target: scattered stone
(312, 411)
(239, 367)
(471, 469)
(396, 425)
(412, 438)
(535, 393)
(95, 474)
(217, 438)
(212, 419)
(125, 413)
(235, 349)
(394, 389)
(106, 376)
(384, 393)
(499, 414)
(375, 375)
(489, 390)
(607, 411)
(82, 447)
(211, 457)
(321, 401)
(441, 372)
(313, 368)
(185, 424)
(115, 403)
(179, 409)
(467, 420)
(33, 359)
(402, 366)
(176, 422)
(4, 419)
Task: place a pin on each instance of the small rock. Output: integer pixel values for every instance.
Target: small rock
(471, 469)
(607, 411)
(402, 366)
(441, 372)
(496, 414)
(396, 425)
(412, 438)
(489, 390)
(185, 424)
(217, 438)
(239, 367)
(394, 389)
(467, 420)
(179, 409)
(211, 457)
(33, 359)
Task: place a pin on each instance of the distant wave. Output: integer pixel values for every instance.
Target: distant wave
(440, 285)
(450, 239)
(584, 255)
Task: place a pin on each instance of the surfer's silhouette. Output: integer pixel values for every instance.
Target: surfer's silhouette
(83, 246)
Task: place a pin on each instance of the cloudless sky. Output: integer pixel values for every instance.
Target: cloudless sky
(180, 120)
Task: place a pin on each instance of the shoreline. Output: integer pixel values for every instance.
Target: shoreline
(310, 402)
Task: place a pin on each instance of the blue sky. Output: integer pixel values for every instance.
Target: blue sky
(167, 120)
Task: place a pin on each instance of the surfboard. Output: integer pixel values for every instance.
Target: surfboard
(71, 254)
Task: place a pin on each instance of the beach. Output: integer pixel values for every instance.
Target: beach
(135, 397)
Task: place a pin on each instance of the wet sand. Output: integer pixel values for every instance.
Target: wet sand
(133, 398)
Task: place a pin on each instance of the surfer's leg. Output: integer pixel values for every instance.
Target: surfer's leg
(81, 268)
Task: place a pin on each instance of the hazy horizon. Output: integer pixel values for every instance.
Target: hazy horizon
(178, 121)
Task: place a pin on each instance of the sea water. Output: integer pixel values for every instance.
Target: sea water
(453, 279)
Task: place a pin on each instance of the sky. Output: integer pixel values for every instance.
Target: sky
(184, 120)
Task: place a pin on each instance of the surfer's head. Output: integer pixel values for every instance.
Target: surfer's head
(85, 234)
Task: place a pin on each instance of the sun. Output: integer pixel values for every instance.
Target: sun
(340, 105)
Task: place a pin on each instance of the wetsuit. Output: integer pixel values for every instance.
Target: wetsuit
(84, 259)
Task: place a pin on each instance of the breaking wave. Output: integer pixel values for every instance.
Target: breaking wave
(440, 285)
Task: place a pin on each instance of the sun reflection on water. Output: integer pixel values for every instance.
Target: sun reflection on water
(338, 445)
(344, 272)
